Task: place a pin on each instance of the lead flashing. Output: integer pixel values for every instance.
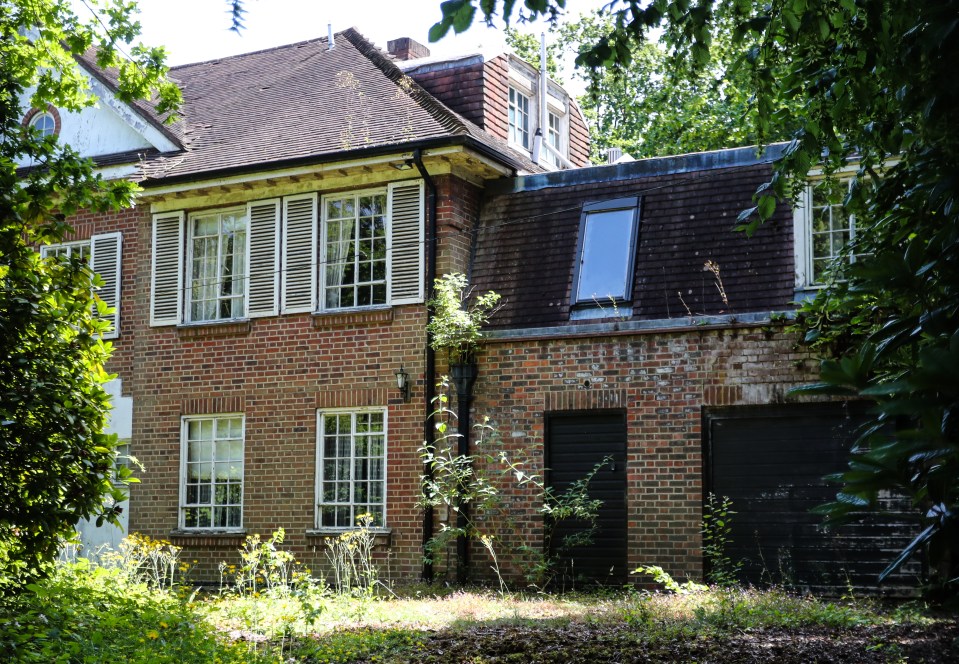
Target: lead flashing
(643, 326)
(642, 168)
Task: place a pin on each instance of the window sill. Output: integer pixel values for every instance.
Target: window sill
(595, 312)
(352, 317)
(182, 536)
(381, 536)
(215, 328)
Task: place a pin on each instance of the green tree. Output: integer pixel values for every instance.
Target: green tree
(870, 85)
(527, 46)
(55, 461)
(659, 105)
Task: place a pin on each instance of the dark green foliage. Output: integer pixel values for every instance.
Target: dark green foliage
(55, 462)
(88, 614)
(868, 85)
(662, 104)
(475, 484)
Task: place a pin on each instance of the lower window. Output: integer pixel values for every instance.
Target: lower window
(212, 471)
(351, 472)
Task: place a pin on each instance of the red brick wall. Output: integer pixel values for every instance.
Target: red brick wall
(278, 371)
(662, 380)
(460, 88)
(457, 208)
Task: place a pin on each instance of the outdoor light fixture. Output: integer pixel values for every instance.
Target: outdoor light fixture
(403, 383)
(404, 165)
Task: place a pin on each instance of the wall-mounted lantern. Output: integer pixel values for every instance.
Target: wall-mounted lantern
(403, 384)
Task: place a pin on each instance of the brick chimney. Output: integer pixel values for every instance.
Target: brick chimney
(405, 48)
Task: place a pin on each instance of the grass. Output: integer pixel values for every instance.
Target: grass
(87, 613)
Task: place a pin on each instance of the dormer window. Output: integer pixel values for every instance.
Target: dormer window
(824, 228)
(606, 252)
(519, 119)
(554, 137)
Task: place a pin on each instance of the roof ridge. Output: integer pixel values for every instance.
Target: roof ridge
(236, 56)
(437, 109)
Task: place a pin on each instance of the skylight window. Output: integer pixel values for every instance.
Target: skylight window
(606, 252)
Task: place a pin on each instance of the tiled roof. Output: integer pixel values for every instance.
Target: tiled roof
(304, 102)
(527, 239)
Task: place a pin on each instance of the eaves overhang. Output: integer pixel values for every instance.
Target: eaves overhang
(510, 166)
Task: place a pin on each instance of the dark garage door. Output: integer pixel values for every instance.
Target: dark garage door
(576, 442)
(770, 461)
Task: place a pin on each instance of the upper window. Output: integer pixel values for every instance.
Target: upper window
(68, 250)
(554, 138)
(102, 254)
(518, 118)
(212, 472)
(824, 230)
(354, 251)
(44, 123)
(606, 251)
(296, 254)
(351, 468)
(217, 260)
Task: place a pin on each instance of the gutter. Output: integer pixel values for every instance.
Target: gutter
(429, 389)
(333, 157)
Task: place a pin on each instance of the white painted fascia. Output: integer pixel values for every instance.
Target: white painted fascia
(318, 168)
(130, 116)
(117, 172)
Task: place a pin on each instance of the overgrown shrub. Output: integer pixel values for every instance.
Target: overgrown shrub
(717, 536)
(472, 484)
(351, 559)
(86, 613)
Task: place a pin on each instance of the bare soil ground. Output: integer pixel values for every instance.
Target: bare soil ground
(588, 643)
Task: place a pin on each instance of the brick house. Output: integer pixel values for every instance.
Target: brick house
(272, 282)
(638, 327)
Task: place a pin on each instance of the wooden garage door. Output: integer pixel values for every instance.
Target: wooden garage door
(576, 442)
(770, 461)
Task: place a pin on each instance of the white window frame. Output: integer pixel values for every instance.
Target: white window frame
(44, 115)
(240, 311)
(48, 250)
(803, 232)
(291, 231)
(184, 460)
(115, 276)
(319, 473)
(560, 133)
(513, 109)
(324, 258)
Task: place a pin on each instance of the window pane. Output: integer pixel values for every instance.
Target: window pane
(214, 472)
(352, 461)
(831, 227)
(607, 252)
(218, 266)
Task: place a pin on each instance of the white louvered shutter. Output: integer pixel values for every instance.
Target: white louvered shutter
(105, 261)
(166, 280)
(263, 258)
(405, 242)
(299, 253)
